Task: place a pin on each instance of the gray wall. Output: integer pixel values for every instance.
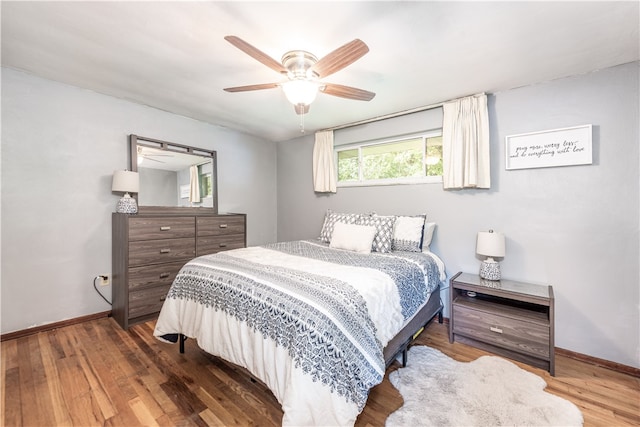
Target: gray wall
(60, 146)
(575, 227)
(160, 187)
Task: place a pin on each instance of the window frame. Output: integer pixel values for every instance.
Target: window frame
(387, 181)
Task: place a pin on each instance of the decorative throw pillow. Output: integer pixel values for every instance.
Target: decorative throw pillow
(352, 237)
(330, 220)
(384, 231)
(407, 234)
(429, 229)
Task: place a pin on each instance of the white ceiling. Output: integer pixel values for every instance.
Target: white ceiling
(172, 55)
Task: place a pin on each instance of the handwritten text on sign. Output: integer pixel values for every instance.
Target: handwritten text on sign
(558, 147)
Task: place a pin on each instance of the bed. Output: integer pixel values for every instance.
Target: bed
(318, 325)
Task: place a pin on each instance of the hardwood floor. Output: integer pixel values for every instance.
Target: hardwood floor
(94, 373)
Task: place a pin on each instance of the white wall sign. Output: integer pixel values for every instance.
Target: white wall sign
(556, 147)
(184, 191)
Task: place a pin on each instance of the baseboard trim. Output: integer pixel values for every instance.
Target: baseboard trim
(54, 325)
(614, 366)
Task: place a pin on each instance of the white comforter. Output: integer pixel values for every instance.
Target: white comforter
(309, 395)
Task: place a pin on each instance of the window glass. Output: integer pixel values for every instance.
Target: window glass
(414, 159)
(399, 159)
(433, 157)
(348, 165)
(205, 180)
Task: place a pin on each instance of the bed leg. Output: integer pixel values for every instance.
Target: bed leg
(404, 357)
(183, 338)
(440, 316)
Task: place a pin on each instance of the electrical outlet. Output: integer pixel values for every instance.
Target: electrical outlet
(104, 280)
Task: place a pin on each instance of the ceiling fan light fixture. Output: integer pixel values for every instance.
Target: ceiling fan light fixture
(300, 91)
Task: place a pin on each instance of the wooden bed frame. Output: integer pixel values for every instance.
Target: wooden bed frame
(400, 343)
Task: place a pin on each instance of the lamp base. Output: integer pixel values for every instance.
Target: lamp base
(127, 205)
(490, 270)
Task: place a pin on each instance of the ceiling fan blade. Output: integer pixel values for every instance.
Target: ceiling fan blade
(301, 109)
(340, 58)
(256, 54)
(252, 87)
(347, 92)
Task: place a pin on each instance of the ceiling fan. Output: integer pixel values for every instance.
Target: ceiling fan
(304, 70)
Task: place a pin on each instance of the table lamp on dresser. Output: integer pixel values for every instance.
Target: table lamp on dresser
(126, 182)
(490, 244)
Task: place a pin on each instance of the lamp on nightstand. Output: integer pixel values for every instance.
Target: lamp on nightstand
(126, 182)
(491, 245)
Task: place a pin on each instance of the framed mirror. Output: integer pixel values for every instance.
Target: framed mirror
(174, 175)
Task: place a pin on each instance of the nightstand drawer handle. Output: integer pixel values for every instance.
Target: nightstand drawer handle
(165, 251)
(163, 298)
(164, 275)
(165, 228)
(494, 329)
(223, 245)
(223, 225)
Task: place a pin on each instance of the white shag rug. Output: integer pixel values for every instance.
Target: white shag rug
(490, 391)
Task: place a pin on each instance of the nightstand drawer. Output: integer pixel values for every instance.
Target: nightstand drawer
(147, 301)
(221, 225)
(161, 251)
(506, 332)
(153, 275)
(214, 244)
(144, 228)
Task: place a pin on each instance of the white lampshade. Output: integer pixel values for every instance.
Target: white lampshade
(490, 244)
(125, 181)
(300, 91)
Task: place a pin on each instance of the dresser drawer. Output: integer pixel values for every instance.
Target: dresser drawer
(221, 225)
(161, 251)
(147, 301)
(214, 244)
(153, 275)
(517, 335)
(144, 228)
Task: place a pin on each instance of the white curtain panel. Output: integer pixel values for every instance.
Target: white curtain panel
(324, 171)
(465, 143)
(194, 193)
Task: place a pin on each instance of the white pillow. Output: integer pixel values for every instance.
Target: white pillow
(408, 233)
(352, 237)
(429, 229)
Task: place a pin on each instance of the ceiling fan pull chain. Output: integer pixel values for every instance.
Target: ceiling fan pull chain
(302, 123)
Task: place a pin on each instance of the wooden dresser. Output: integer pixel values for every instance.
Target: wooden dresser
(149, 250)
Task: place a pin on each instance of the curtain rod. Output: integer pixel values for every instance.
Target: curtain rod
(392, 115)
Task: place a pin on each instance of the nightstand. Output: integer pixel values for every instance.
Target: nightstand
(508, 318)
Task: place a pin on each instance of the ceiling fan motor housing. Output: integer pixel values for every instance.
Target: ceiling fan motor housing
(298, 64)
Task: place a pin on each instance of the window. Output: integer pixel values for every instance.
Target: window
(205, 180)
(415, 159)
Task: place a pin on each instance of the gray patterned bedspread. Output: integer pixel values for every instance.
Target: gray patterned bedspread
(320, 319)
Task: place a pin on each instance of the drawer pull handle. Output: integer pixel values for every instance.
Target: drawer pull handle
(165, 228)
(223, 226)
(164, 275)
(495, 329)
(223, 245)
(165, 251)
(163, 298)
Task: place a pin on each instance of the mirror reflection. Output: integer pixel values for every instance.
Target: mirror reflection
(173, 175)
